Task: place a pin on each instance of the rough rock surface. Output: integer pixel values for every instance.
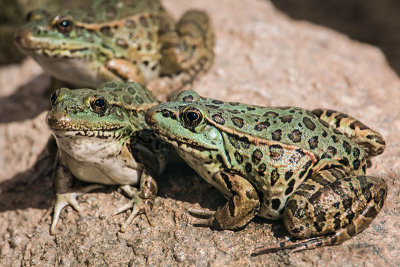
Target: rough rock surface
(262, 57)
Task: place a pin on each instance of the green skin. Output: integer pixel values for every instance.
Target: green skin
(106, 40)
(102, 138)
(307, 167)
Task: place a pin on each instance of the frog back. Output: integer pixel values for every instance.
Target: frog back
(133, 98)
(102, 11)
(290, 127)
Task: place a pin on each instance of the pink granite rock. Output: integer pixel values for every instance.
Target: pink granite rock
(262, 57)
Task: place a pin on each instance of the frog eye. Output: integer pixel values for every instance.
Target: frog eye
(54, 96)
(98, 104)
(192, 117)
(63, 24)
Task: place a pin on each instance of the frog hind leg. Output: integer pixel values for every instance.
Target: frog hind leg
(241, 207)
(371, 141)
(328, 209)
(189, 49)
(65, 193)
(142, 201)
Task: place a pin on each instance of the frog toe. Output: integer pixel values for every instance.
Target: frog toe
(63, 200)
(138, 206)
(201, 217)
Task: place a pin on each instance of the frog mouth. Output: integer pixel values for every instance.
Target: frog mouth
(102, 134)
(42, 46)
(58, 53)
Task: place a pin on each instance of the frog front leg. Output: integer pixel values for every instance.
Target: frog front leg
(242, 206)
(142, 201)
(65, 193)
(123, 70)
(329, 208)
(188, 50)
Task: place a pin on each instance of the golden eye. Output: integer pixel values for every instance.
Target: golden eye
(63, 24)
(98, 104)
(192, 117)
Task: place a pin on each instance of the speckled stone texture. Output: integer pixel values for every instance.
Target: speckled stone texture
(262, 57)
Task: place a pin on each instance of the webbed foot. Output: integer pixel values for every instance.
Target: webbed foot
(138, 206)
(65, 199)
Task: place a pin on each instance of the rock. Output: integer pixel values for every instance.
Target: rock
(262, 57)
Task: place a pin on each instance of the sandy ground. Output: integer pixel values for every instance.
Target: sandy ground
(262, 57)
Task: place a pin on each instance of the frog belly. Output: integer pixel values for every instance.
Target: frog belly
(107, 172)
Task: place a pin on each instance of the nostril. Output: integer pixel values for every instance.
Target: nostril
(166, 113)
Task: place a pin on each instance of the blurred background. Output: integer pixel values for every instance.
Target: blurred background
(376, 22)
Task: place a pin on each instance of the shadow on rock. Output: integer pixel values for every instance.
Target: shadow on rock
(31, 188)
(375, 22)
(27, 102)
(181, 183)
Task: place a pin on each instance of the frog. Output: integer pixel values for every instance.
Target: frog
(102, 139)
(305, 167)
(118, 40)
(12, 18)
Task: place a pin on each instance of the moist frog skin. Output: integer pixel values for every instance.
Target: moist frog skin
(305, 167)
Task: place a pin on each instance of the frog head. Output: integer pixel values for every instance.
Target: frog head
(88, 119)
(72, 46)
(185, 124)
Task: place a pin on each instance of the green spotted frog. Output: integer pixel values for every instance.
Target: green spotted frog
(121, 40)
(306, 167)
(102, 138)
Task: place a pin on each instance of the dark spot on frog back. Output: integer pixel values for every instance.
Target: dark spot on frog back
(188, 98)
(238, 122)
(347, 147)
(313, 142)
(257, 156)
(277, 135)
(217, 118)
(217, 102)
(286, 119)
(143, 21)
(309, 124)
(131, 90)
(271, 114)
(274, 176)
(295, 136)
(262, 125)
(127, 99)
(139, 99)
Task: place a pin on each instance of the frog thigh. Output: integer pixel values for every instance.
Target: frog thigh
(331, 204)
(371, 141)
(241, 207)
(121, 69)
